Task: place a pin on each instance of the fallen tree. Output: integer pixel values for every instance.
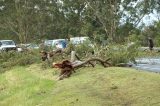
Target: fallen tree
(67, 67)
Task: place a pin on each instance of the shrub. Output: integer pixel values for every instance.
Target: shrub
(10, 59)
(84, 50)
(118, 53)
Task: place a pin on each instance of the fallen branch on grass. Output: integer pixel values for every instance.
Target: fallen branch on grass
(104, 63)
(66, 67)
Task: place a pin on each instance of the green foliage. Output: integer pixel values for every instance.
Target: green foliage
(84, 50)
(118, 53)
(10, 59)
(157, 41)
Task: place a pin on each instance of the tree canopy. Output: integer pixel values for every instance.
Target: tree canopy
(32, 20)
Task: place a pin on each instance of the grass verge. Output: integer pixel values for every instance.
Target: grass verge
(32, 86)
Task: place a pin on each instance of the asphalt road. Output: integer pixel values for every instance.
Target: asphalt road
(148, 64)
(148, 67)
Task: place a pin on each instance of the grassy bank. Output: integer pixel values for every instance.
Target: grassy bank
(32, 86)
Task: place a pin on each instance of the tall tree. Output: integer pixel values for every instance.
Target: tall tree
(106, 19)
(110, 14)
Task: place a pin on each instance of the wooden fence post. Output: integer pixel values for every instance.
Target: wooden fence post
(73, 53)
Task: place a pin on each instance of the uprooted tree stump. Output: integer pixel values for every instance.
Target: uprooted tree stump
(67, 67)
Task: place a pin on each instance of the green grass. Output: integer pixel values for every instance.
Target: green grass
(32, 86)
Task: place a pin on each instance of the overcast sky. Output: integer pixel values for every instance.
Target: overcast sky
(149, 19)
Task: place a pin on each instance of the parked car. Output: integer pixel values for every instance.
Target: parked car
(58, 43)
(7, 45)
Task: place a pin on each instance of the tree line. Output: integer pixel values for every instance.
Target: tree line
(112, 20)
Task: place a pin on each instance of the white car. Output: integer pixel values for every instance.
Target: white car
(7, 45)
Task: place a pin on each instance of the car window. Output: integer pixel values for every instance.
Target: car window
(8, 43)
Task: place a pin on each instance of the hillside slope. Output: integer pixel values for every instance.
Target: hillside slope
(32, 86)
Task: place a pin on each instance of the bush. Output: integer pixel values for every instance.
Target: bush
(10, 59)
(27, 60)
(118, 53)
(84, 50)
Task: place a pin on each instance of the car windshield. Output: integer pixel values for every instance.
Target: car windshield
(7, 43)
